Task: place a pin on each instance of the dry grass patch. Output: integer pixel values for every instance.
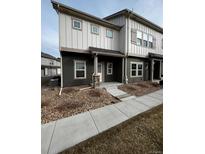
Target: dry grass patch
(143, 134)
(71, 102)
(140, 88)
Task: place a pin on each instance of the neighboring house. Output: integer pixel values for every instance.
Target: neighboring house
(50, 67)
(123, 47)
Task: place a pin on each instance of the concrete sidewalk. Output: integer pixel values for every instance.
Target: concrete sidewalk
(61, 134)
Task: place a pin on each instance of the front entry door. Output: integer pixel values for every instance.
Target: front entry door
(100, 71)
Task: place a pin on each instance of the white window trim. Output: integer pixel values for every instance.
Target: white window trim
(109, 68)
(111, 31)
(97, 28)
(137, 63)
(75, 61)
(74, 24)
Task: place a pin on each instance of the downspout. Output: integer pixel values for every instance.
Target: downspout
(127, 46)
(61, 59)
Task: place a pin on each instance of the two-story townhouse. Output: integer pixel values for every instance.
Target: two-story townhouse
(122, 47)
(50, 67)
(143, 46)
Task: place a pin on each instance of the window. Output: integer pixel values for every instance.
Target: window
(94, 29)
(109, 68)
(80, 69)
(46, 71)
(77, 24)
(139, 70)
(150, 41)
(109, 33)
(162, 44)
(145, 40)
(136, 69)
(139, 38)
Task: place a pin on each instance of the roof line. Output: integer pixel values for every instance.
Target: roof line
(69, 10)
(136, 17)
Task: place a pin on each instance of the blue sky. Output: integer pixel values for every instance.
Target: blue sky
(149, 9)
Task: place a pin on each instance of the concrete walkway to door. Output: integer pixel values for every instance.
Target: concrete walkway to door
(111, 87)
(64, 133)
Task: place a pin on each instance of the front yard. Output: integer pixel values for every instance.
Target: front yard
(141, 134)
(139, 88)
(71, 102)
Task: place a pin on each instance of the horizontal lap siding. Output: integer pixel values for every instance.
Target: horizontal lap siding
(82, 39)
(143, 51)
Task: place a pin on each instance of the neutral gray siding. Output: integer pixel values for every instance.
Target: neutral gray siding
(82, 39)
(68, 68)
(146, 69)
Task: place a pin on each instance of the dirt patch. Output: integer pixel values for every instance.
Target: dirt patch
(71, 102)
(140, 88)
(143, 134)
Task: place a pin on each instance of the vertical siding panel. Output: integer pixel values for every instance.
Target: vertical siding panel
(62, 30)
(68, 31)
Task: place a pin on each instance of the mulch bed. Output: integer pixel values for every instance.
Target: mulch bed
(139, 88)
(72, 101)
(143, 134)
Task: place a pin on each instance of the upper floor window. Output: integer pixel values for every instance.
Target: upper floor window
(77, 24)
(150, 41)
(109, 33)
(139, 38)
(162, 44)
(145, 40)
(94, 29)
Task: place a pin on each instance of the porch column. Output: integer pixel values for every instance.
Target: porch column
(152, 69)
(123, 75)
(160, 69)
(95, 64)
(126, 78)
(96, 77)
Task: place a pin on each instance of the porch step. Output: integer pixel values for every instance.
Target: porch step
(123, 96)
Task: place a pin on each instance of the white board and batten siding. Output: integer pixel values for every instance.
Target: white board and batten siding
(121, 21)
(140, 50)
(83, 39)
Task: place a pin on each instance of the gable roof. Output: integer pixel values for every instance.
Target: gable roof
(45, 55)
(136, 17)
(59, 7)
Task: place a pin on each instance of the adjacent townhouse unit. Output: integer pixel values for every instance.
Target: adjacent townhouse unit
(50, 67)
(123, 47)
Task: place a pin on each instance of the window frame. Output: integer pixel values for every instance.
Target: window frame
(75, 69)
(107, 33)
(151, 42)
(109, 68)
(145, 40)
(73, 25)
(131, 69)
(92, 25)
(141, 40)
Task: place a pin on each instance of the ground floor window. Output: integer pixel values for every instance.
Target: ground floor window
(109, 68)
(136, 69)
(79, 69)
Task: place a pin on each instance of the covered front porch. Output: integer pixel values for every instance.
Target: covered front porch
(108, 66)
(156, 67)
